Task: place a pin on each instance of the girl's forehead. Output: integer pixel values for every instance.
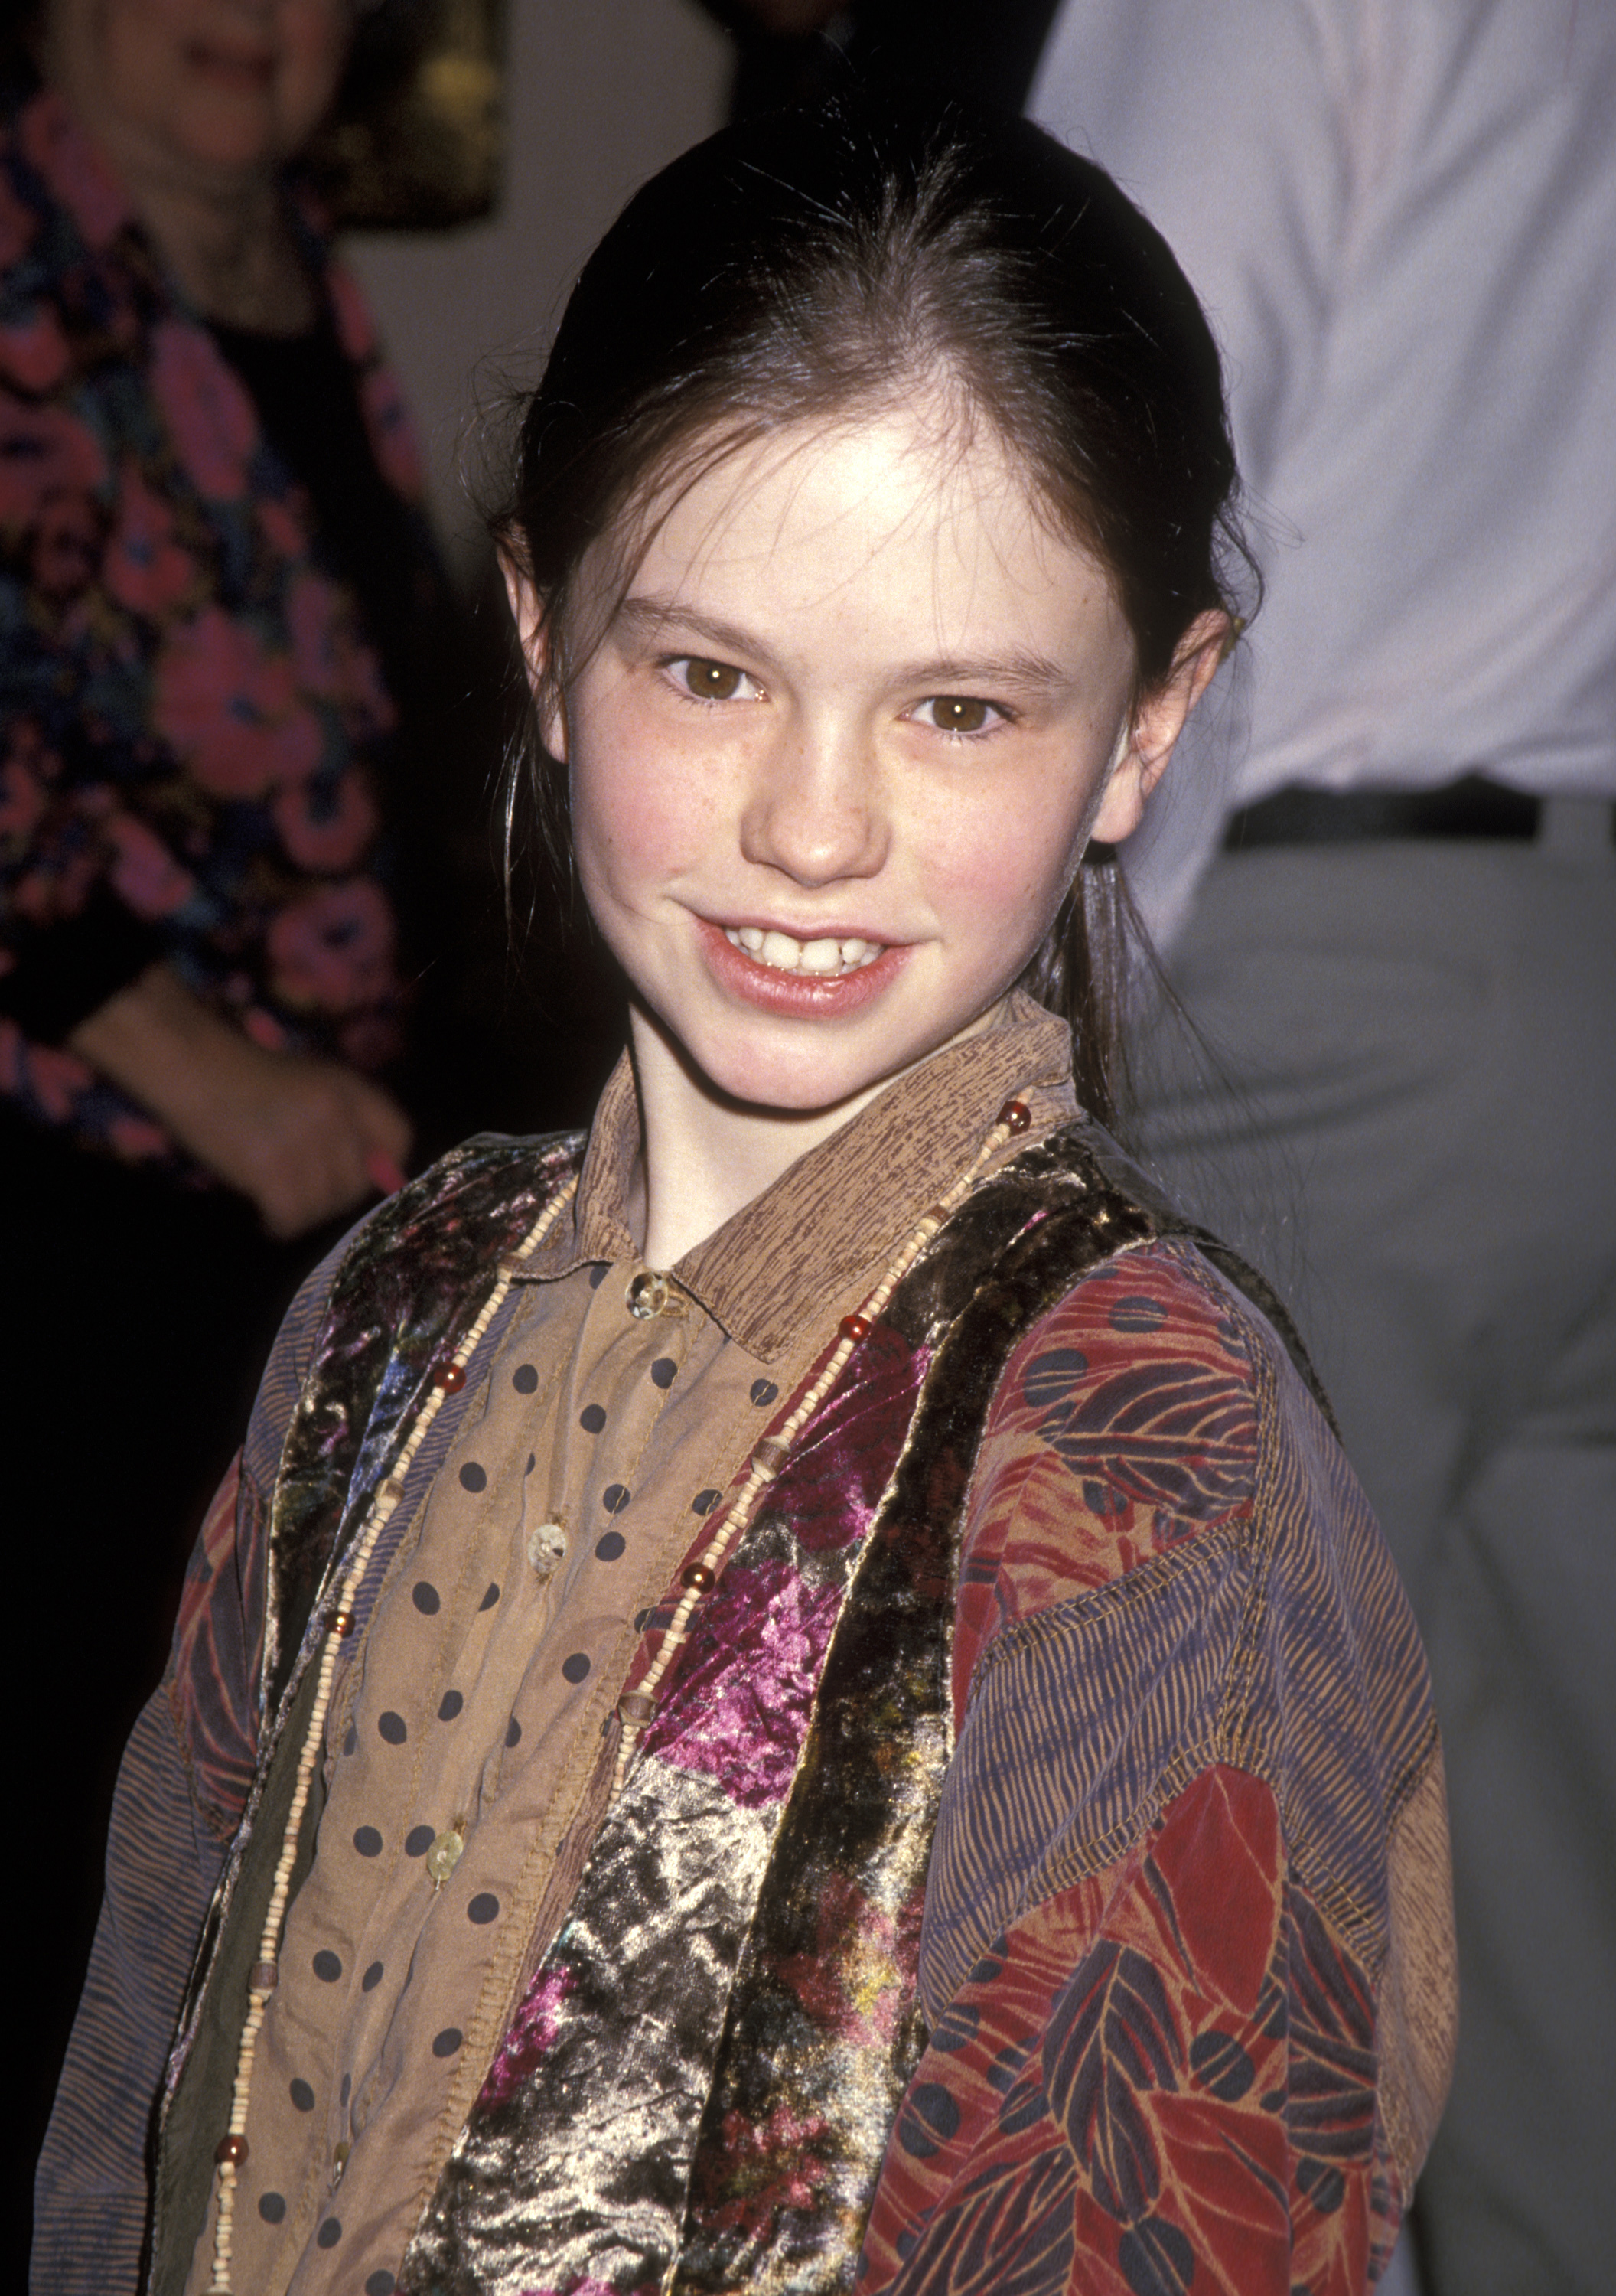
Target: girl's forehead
(925, 496)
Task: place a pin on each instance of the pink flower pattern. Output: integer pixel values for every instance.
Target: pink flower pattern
(145, 569)
(34, 351)
(45, 455)
(143, 871)
(232, 711)
(171, 636)
(333, 952)
(209, 412)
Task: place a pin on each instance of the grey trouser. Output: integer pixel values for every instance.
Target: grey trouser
(1414, 1133)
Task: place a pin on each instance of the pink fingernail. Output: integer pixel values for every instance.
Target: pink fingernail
(383, 1173)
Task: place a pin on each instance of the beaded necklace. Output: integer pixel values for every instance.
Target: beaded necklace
(635, 1708)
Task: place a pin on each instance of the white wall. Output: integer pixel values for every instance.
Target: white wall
(599, 94)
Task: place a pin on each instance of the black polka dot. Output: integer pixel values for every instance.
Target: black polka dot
(705, 1502)
(328, 1967)
(524, 1378)
(473, 1478)
(597, 1277)
(380, 2283)
(576, 1667)
(592, 1419)
(272, 2206)
(347, 2090)
(449, 1705)
(367, 1841)
(663, 1371)
(419, 1841)
(426, 1599)
(328, 2234)
(514, 1732)
(350, 1739)
(371, 1977)
(445, 2044)
(303, 2096)
(392, 1727)
(615, 1498)
(611, 1546)
(482, 1909)
(764, 1391)
(491, 1598)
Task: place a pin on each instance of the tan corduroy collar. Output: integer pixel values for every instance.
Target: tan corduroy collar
(843, 1203)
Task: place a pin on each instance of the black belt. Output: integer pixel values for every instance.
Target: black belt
(1474, 806)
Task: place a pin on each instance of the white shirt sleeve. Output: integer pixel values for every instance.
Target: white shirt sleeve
(1399, 215)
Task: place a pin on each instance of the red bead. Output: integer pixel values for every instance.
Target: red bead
(231, 2148)
(1014, 1115)
(698, 1575)
(450, 1377)
(265, 1978)
(855, 1327)
(636, 1707)
(342, 1624)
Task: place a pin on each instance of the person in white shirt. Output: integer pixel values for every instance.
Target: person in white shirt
(1387, 885)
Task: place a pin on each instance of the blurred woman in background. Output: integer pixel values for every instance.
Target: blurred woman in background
(216, 591)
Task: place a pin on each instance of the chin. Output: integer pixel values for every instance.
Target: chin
(810, 1076)
(790, 1088)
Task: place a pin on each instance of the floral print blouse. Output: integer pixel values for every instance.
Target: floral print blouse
(193, 724)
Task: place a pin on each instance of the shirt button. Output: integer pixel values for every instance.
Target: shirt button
(444, 1855)
(547, 1548)
(647, 1294)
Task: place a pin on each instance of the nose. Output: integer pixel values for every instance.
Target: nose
(814, 811)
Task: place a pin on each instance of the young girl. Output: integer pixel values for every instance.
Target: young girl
(797, 1695)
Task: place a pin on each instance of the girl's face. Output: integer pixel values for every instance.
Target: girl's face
(217, 88)
(835, 761)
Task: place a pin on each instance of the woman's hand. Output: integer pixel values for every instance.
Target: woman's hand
(302, 1139)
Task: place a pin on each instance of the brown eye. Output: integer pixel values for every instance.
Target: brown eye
(958, 713)
(710, 681)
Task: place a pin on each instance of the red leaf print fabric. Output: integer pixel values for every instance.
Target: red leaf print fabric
(1124, 1424)
(1144, 2088)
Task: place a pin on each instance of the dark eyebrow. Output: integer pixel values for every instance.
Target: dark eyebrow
(1020, 670)
(648, 615)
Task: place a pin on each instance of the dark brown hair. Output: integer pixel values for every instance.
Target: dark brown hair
(808, 265)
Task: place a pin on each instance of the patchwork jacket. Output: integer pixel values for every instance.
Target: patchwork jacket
(1092, 1929)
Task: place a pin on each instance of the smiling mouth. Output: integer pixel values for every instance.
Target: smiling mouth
(820, 960)
(256, 71)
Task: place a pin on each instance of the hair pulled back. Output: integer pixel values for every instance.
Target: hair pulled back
(815, 264)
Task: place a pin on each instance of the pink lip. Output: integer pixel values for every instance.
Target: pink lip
(797, 995)
(250, 71)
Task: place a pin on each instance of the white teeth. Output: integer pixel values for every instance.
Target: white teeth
(785, 954)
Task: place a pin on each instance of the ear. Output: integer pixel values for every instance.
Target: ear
(1157, 723)
(532, 636)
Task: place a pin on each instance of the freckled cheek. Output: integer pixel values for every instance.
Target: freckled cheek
(998, 876)
(639, 819)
